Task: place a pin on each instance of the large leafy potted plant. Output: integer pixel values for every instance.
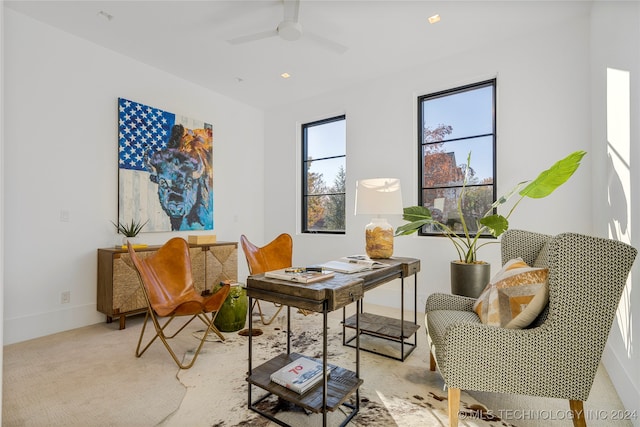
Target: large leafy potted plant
(467, 242)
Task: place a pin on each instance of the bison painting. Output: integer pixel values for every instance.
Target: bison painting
(185, 178)
(165, 169)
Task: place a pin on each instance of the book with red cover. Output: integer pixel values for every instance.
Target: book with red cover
(300, 375)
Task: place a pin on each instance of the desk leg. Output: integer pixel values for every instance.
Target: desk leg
(250, 354)
(359, 310)
(402, 318)
(415, 308)
(415, 304)
(415, 316)
(344, 321)
(359, 303)
(324, 362)
(288, 330)
(344, 328)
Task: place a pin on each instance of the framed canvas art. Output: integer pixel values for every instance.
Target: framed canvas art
(165, 169)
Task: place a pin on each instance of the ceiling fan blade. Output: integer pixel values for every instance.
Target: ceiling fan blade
(291, 10)
(253, 37)
(327, 43)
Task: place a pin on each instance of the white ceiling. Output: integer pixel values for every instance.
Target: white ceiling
(189, 38)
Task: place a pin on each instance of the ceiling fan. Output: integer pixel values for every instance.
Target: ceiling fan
(290, 29)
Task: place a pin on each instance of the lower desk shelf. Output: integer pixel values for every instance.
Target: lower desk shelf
(396, 330)
(341, 384)
(382, 326)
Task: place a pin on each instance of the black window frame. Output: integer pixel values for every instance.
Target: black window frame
(421, 160)
(305, 161)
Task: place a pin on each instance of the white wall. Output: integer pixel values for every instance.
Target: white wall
(1, 190)
(615, 39)
(60, 153)
(543, 115)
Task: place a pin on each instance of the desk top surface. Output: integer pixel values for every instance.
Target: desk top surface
(337, 291)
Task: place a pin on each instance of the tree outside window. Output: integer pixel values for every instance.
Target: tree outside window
(455, 123)
(324, 176)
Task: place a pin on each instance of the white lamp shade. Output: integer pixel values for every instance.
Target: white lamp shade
(378, 196)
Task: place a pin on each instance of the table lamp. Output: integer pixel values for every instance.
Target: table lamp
(379, 197)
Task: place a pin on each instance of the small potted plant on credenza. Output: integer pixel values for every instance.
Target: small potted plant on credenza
(130, 232)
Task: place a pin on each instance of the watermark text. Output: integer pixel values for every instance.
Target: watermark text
(551, 415)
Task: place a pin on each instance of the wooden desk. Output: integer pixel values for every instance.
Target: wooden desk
(322, 297)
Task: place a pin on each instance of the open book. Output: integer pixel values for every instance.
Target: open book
(300, 275)
(299, 375)
(352, 264)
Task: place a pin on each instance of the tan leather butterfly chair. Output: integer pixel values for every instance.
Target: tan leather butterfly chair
(167, 284)
(273, 256)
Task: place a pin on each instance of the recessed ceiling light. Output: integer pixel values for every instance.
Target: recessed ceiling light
(433, 19)
(285, 75)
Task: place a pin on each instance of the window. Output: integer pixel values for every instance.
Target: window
(453, 125)
(323, 176)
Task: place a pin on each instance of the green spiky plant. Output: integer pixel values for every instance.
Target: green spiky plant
(467, 244)
(131, 229)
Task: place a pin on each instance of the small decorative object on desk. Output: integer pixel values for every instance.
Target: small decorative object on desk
(352, 264)
(300, 375)
(299, 274)
(201, 239)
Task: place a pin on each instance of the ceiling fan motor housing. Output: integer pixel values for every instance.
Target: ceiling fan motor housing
(290, 30)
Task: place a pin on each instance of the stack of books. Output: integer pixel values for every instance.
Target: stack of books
(300, 375)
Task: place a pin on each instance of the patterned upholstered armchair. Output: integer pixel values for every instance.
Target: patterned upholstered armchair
(558, 354)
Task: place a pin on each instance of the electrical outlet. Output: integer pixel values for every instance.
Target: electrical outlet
(65, 297)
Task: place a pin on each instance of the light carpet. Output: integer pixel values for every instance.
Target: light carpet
(91, 377)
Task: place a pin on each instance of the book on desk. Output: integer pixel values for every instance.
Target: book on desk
(352, 264)
(300, 375)
(300, 275)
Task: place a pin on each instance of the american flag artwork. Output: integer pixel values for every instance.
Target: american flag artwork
(165, 164)
(141, 128)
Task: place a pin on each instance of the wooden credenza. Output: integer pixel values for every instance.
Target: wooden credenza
(119, 293)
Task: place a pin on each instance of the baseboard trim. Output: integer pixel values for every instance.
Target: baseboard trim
(627, 391)
(18, 329)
